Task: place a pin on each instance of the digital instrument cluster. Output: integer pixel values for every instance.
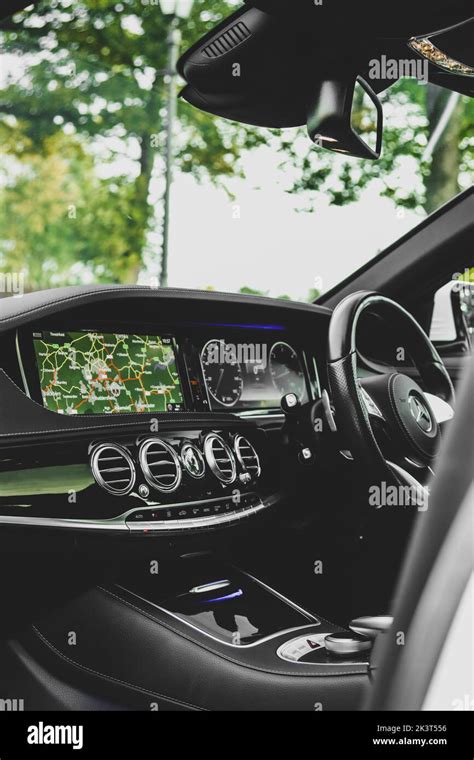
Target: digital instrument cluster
(251, 375)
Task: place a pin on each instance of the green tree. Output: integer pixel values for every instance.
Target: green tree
(93, 85)
(439, 176)
(56, 212)
(95, 69)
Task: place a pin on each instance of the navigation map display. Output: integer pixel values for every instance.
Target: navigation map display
(100, 373)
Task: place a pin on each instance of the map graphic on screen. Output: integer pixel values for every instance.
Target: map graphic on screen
(100, 373)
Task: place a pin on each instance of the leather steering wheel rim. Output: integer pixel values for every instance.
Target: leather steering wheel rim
(351, 412)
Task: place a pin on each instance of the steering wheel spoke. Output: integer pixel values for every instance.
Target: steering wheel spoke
(442, 411)
(419, 492)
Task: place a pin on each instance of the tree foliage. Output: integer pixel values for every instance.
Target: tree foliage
(82, 123)
(94, 71)
(413, 110)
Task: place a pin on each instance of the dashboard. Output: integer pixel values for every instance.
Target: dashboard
(139, 412)
(80, 370)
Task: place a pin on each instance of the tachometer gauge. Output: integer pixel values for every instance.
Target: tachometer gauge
(286, 370)
(222, 373)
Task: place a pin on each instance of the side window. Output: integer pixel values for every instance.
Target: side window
(453, 310)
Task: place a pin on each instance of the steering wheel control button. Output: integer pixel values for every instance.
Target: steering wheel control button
(369, 403)
(371, 625)
(299, 648)
(346, 643)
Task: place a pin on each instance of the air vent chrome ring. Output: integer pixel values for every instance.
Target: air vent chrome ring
(113, 469)
(164, 473)
(220, 458)
(247, 457)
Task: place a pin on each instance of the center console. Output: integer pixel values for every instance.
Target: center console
(198, 633)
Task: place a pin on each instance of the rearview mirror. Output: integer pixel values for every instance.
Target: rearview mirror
(346, 117)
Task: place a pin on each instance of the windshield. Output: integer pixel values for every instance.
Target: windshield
(85, 184)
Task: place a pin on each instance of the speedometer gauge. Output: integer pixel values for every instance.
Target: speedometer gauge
(222, 373)
(286, 370)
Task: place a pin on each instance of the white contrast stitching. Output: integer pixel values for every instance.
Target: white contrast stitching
(113, 678)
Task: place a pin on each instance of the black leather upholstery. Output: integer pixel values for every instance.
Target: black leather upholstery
(15, 312)
(127, 644)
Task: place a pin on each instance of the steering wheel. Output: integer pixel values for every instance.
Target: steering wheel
(387, 421)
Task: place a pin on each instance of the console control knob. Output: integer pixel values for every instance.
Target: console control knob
(346, 643)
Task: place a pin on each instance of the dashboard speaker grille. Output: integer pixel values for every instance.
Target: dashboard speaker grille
(227, 41)
(113, 469)
(247, 457)
(160, 464)
(220, 458)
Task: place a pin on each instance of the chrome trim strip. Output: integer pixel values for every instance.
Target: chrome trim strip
(212, 586)
(20, 364)
(282, 597)
(57, 522)
(120, 523)
(259, 415)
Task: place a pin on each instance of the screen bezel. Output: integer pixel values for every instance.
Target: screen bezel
(30, 371)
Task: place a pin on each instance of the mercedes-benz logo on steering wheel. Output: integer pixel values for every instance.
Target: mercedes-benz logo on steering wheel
(420, 413)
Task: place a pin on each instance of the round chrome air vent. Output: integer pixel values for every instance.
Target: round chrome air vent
(220, 458)
(113, 468)
(160, 464)
(247, 457)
